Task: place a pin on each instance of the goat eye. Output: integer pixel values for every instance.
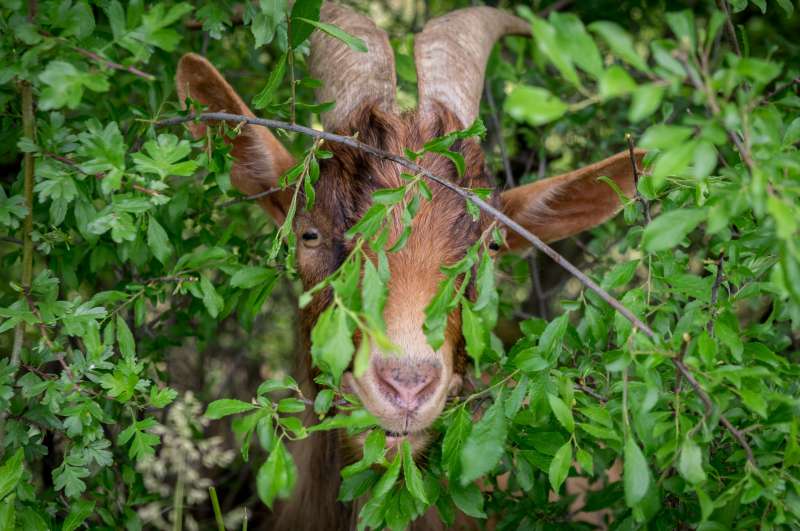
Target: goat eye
(311, 238)
(494, 246)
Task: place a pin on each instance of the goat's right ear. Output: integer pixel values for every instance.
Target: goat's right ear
(260, 159)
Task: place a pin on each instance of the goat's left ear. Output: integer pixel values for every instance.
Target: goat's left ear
(561, 206)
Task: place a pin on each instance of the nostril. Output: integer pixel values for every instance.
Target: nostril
(407, 383)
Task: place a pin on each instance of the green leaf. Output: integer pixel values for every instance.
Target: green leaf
(534, 105)
(468, 498)
(164, 157)
(620, 43)
(158, 241)
(125, 341)
(227, 406)
(636, 473)
(264, 98)
(474, 333)
(550, 46)
(550, 343)
(646, 100)
(683, 26)
(277, 476)
(332, 342)
(559, 466)
(212, 300)
(412, 476)
(485, 445)
(665, 136)
(65, 84)
(352, 41)
(573, 37)
(11, 473)
(323, 401)
(615, 81)
(453, 441)
(389, 478)
(251, 276)
(669, 229)
(690, 462)
(302, 12)
(78, 513)
(754, 401)
(562, 412)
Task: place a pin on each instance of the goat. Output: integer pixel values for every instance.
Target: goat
(406, 393)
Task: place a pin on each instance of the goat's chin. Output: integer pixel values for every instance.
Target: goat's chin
(419, 442)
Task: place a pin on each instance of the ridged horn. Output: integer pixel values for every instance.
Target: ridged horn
(350, 77)
(451, 54)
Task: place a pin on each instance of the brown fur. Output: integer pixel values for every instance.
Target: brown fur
(442, 231)
(343, 194)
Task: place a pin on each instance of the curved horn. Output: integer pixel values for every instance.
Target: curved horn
(451, 53)
(350, 77)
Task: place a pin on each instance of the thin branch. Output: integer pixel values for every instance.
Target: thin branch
(730, 30)
(715, 291)
(251, 197)
(710, 406)
(11, 239)
(591, 392)
(99, 175)
(556, 6)
(487, 89)
(715, 110)
(485, 207)
(29, 131)
(111, 64)
(639, 197)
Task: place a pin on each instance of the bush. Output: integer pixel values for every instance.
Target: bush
(138, 281)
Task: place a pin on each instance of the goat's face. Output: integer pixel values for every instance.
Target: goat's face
(407, 390)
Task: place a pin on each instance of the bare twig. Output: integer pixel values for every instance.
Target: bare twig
(536, 278)
(710, 406)
(487, 89)
(251, 197)
(591, 392)
(556, 6)
(481, 204)
(111, 64)
(645, 203)
(723, 5)
(10, 239)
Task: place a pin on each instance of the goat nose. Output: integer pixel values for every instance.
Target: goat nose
(407, 383)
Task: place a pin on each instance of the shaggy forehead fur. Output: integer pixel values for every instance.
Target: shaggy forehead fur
(348, 179)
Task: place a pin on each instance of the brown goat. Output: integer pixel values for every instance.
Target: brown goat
(406, 393)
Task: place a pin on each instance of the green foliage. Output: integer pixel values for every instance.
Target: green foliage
(140, 255)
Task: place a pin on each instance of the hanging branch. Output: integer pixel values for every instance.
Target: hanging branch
(485, 207)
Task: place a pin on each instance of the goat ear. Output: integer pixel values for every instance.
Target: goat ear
(565, 205)
(260, 158)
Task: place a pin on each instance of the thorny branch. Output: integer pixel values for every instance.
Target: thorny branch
(485, 207)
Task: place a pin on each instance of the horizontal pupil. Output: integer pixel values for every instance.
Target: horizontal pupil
(310, 235)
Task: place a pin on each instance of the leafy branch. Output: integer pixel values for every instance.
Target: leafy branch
(488, 209)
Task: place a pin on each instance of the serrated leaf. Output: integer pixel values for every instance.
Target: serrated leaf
(559, 466)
